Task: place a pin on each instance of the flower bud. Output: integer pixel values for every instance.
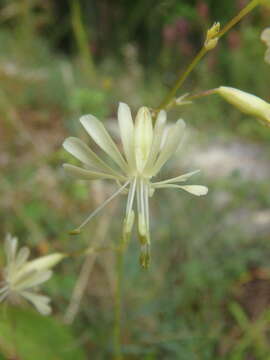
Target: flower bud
(211, 39)
(247, 103)
(211, 44)
(213, 31)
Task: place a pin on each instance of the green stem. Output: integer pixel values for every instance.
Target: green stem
(168, 98)
(118, 301)
(247, 9)
(181, 79)
(81, 38)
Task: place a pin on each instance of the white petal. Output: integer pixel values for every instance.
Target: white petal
(82, 152)
(3, 289)
(4, 295)
(157, 138)
(126, 127)
(171, 144)
(44, 262)
(180, 178)
(100, 135)
(143, 136)
(23, 255)
(265, 36)
(88, 174)
(41, 302)
(11, 244)
(34, 279)
(198, 190)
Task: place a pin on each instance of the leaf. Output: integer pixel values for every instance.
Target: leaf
(31, 336)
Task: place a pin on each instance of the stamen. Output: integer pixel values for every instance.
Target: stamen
(142, 213)
(95, 212)
(146, 205)
(131, 195)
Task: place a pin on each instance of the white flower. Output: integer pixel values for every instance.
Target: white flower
(247, 103)
(265, 37)
(22, 276)
(146, 150)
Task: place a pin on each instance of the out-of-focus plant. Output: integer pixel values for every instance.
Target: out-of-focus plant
(142, 142)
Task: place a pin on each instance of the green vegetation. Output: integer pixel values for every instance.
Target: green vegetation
(206, 294)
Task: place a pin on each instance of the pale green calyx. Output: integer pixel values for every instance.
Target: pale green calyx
(21, 276)
(146, 149)
(245, 102)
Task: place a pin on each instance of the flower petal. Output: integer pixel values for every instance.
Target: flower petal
(197, 190)
(41, 302)
(87, 174)
(82, 152)
(4, 295)
(44, 262)
(265, 36)
(143, 136)
(23, 255)
(171, 144)
(99, 134)
(180, 178)
(32, 279)
(11, 244)
(126, 127)
(157, 138)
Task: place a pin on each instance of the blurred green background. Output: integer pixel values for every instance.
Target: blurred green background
(207, 293)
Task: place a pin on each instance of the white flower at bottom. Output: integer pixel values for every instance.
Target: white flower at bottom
(22, 276)
(146, 149)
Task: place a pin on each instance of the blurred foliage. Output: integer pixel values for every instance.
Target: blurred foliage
(210, 268)
(48, 339)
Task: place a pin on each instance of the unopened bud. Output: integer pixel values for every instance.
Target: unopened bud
(211, 39)
(247, 103)
(213, 31)
(211, 44)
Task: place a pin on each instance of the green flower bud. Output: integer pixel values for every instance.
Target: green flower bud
(247, 103)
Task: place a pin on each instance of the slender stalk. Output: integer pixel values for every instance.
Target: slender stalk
(169, 97)
(200, 95)
(118, 301)
(247, 9)
(181, 79)
(81, 38)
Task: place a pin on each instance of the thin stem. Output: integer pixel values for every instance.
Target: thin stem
(168, 98)
(247, 9)
(118, 301)
(181, 79)
(200, 95)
